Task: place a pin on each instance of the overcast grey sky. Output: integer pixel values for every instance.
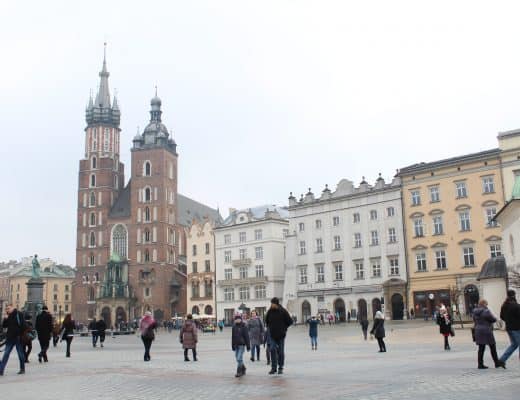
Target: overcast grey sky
(263, 97)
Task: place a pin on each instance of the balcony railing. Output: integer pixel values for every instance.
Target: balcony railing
(242, 262)
(243, 281)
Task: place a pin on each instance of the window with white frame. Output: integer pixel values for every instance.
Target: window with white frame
(376, 269)
(320, 273)
(418, 227)
(228, 274)
(469, 256)
(147, 168)
(435, 195)
(357, 240)
(92, 199)
(93, 162)
(464, 221)
(92, 219)
(260, 292)
(206, 248)
(338, 271)
(193, 247)
(243, 272)
(259, 253)
(490, 214)
(318, 223)
(259, 271)
(301, 226)
(335, 221)
(227, 256)
(229, 294)
(258, 234)
(207, 265)
(227, 239)
(374, 238)
(337, 242)
(392, 236)
(373, 215)
(319, 245)
(147, 215)
(461, 189)
(420, 258)
(356, 218)
(303, 274)
(360, 272)
(106, 140)
(92, 260)
(495, 250)
(242, 237)
(119, 241)
(416, 197)
(394, 266)
(302, 246)
(242, 253)
(440, 259)
(488, 184)
(244, 292)
(390, 211)
(93, 180)
(92, 241)
(438, 228)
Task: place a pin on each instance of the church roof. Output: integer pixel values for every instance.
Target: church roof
(122, 207)
(189, 209)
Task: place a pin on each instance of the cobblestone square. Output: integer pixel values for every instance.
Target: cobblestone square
(345, 366)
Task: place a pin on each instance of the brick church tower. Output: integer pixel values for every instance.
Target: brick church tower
(127, 255)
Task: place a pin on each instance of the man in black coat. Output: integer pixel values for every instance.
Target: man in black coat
(92, 327)
(510, 314)
(277, 319)
(15, 326)
(44, 330)
(101, 327)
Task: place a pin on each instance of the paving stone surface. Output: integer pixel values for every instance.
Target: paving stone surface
(344, 366)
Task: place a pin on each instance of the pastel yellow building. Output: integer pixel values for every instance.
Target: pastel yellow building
(57, 289)
(448, 207)
(200, 247)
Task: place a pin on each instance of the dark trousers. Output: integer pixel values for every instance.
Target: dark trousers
(193, 352)
(27, 348)
(9, 344)
(102, 337)
(68, 339)
(94, 338)
(268, 353)
(255, 348)
(44, 346)
(147, 345)
(277, 353)
(482, 349)
(365, 332)
(446, 343)
(381, 344)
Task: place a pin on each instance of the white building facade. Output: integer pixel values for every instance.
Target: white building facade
(346, 252)
(249, 251)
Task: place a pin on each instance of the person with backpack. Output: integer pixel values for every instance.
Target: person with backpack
(44, 329)
(14, 323)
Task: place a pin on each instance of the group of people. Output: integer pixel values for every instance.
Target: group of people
(20, 334)
(482, 330)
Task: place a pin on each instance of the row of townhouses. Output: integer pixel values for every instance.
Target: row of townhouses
(430, 236)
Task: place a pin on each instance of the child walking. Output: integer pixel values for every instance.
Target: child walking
(239, 343)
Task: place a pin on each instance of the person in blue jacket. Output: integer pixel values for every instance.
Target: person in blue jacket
(313, 331)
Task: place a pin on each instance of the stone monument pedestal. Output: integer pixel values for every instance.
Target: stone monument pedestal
(34, 302)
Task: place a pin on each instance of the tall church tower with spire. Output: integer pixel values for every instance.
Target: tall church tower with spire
(101, 179)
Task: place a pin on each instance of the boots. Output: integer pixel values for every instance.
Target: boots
(243, 369)
(240, 371)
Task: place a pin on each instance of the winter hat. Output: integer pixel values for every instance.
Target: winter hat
(148, 313)
(275, 300)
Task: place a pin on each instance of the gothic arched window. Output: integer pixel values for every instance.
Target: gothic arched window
(92, 219)
(147, 255)
(147, 214)
(147, 235)
(147, 194)
(92, 199)
(94, 162)
(147, 168)
(119, 240)
(93, 180)
(92, 239)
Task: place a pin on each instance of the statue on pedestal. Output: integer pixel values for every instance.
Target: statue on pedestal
(35, 267)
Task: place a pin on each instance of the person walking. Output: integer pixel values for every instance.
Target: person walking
(378, 330)
(146, 328)
(189, 338)
(221, 325)
(445, 326)
(44, 329)
(28, 336)
(14, 324)
(239, 343)
(93, 331)
(101, 328)
(267, 344)
(313, 331)
(484, 319)
(364, 327)
(67, 329)
(278, 320)
(256, 334)
(510, 314)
